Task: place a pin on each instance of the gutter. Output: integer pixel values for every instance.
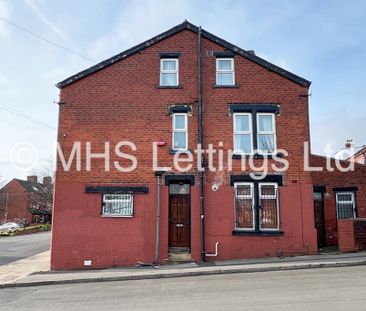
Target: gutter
(200, 141)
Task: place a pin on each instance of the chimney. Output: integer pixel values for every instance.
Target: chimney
(349, 144)
(47, 180)
(32, 179)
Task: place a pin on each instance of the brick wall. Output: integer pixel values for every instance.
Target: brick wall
(122, 102)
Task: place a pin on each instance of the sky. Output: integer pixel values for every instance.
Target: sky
(322, 41)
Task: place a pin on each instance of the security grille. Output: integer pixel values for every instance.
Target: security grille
(345, 205)
(117, 205)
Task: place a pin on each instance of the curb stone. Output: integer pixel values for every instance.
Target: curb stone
(214, 271)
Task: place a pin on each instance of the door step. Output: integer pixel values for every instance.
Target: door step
(178, 257)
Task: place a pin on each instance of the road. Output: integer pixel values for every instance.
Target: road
(19, 247)
(318, 289)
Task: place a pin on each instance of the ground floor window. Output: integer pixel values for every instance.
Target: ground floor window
(117, 205)
(256, 206)
(346, 207)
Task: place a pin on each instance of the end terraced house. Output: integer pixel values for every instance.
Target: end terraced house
(179, 89)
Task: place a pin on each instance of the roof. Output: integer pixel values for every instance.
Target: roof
(29, 186)
(185, 25)
(344, 153)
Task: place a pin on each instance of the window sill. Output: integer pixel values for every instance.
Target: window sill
(257, 156)
(235, 86)
(168, 86)
(257, 233)
(173, 151)
(116, 216)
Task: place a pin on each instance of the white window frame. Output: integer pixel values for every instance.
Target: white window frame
(242, 196)
(273, 132)
(180, 130)
(250, 131)
(232, 71)
(353, 202)
(176, 71)
(118, 215)
(277, 197)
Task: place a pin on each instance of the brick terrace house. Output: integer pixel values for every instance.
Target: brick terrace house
(18, 201)
(183, 87)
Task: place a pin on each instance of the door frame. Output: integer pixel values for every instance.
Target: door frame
(189, 211)
(323, 241)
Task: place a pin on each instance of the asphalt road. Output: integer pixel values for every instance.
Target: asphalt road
(318, 289)
(19, 247)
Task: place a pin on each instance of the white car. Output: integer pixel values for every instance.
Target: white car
(9, 226)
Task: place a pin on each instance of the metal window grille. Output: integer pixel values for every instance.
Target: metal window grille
(345, 205)
(269, 213)
(117, 205)
(244, 206)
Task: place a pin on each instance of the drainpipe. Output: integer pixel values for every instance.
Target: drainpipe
(200, 140)
(158, 175)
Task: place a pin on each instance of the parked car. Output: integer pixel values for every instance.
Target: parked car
(9, 226)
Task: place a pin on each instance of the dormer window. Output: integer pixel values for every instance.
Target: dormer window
(225, 72)
(169, 74)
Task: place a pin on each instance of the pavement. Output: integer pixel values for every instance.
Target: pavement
(14, 248)
(335, 289)
(171, 271)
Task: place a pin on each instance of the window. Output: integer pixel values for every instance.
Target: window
(169, 72)
(345, 205)
(244, 206)
(261, 137)
(117, 205)
(266, 132)
(180, 131)
(242, 133)
(252, 214)
(268, 202)
(179, 188)
(225, 71)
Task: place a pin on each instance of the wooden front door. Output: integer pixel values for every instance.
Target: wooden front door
(179, 220)
(319, 218)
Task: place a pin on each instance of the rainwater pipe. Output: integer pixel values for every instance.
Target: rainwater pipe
(216, 251)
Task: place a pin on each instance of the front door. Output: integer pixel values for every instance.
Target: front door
(179, 215)
(319, 218)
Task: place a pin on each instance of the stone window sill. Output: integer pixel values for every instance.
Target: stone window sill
(257, 233)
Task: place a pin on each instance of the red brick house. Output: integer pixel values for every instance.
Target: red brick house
(181, 88)
(18, 201)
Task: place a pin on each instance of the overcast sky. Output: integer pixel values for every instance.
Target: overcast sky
(322, 41)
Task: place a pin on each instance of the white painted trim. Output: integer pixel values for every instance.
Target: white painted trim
(277, 204)
(353, 201)
(232, 70)
(249, 132)
(273, 132)
(245, 197)
(180, 130)
(176, 71)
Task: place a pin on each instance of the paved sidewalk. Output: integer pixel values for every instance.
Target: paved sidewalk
(170, 271)
(14, 271)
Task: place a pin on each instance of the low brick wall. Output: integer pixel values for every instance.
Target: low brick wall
(352, 234)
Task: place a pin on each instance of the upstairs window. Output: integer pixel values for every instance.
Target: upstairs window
(169, 72)
(180, 131)
(118, 205)
(243, 133)
(346, 207)
(266, 135)
(225, 71)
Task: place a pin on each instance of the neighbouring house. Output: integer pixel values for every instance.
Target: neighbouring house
(181, 88)
(352, 153)
(22, 201)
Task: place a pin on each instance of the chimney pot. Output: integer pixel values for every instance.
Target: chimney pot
(47, 180)
(349, 144)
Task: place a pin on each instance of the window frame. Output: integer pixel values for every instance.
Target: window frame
(174, 130)
(249, 132)
(353, 201)
(252, 196)
(162, 71)
(273, 132)
(277, 197)
(118, 215)
(232, 71)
